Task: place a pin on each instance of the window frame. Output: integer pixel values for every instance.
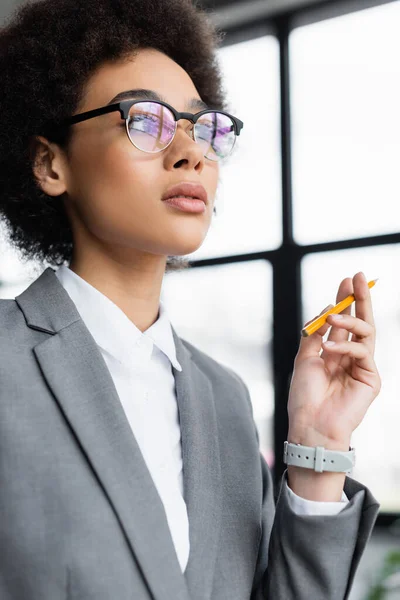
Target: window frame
(286, 260)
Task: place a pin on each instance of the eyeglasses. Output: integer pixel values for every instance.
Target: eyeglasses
(151, 126)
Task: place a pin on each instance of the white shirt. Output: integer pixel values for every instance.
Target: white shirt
(140, 366)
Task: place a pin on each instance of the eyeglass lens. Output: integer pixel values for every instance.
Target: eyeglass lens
(151, 127)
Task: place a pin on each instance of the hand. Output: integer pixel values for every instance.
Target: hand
(331, 391)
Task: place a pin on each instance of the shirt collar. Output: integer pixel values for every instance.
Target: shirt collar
(112, 330)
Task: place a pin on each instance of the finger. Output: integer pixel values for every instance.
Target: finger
(338, 334)
(363, 367)
(359, 352)
(354, 325)
(363, 301)
(321, 313)
(362, 332)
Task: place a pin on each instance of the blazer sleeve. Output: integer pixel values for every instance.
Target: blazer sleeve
(310, 557)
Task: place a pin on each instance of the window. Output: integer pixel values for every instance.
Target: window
(345, 98)
(375, 440)
(249, 194)
(15, 274)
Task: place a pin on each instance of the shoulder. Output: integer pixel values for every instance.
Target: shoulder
(220, 375)
(10, 314)
(6, 305)
(212, 366)
(14, 331)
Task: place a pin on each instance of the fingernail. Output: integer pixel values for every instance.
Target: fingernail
(329, 344)
(363, 276)
(326, 308)
(336, 317)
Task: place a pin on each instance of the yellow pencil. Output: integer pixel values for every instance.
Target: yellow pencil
(319, 321)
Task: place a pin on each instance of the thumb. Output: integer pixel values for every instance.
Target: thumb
(312, 344)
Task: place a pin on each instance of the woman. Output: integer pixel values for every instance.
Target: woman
(129, 459)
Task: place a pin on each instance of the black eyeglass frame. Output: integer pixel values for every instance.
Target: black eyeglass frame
(125, 105)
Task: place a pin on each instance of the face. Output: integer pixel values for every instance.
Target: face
(113, 190)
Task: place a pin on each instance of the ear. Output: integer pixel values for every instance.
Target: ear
(49, 166)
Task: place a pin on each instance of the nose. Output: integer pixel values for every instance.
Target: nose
(187, 126)
(190, 154)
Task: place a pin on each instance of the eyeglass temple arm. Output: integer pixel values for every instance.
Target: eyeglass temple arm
(92, 113)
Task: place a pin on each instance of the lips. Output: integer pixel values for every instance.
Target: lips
(187, 189)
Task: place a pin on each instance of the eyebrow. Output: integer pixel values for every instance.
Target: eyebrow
(193, 104)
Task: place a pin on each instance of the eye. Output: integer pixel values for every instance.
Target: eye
(143, 117)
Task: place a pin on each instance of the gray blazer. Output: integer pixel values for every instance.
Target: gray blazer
(80, 517)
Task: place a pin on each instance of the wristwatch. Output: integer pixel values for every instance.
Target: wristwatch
(319, 459)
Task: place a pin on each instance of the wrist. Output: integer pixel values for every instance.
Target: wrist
(306, 483)
(320, 487)
(314, 439)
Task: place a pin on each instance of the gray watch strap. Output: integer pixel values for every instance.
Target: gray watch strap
(319, 459)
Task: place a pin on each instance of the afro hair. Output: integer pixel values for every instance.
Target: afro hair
(48, 51)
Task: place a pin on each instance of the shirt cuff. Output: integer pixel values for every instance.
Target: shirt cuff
(302, 506)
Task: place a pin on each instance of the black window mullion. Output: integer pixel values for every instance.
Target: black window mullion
(286, 269)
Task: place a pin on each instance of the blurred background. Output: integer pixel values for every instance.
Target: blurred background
(310, 196)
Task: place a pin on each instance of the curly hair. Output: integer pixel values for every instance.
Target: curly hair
(48, 51)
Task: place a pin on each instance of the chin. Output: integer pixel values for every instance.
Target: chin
(184, 249)
(180, 246)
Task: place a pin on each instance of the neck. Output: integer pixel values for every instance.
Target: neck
(134, 286)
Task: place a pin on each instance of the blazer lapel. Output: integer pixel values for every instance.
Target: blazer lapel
(82, 385)
(201, 470)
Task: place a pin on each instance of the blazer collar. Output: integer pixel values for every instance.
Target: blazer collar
(110, 326)
(78, 376)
